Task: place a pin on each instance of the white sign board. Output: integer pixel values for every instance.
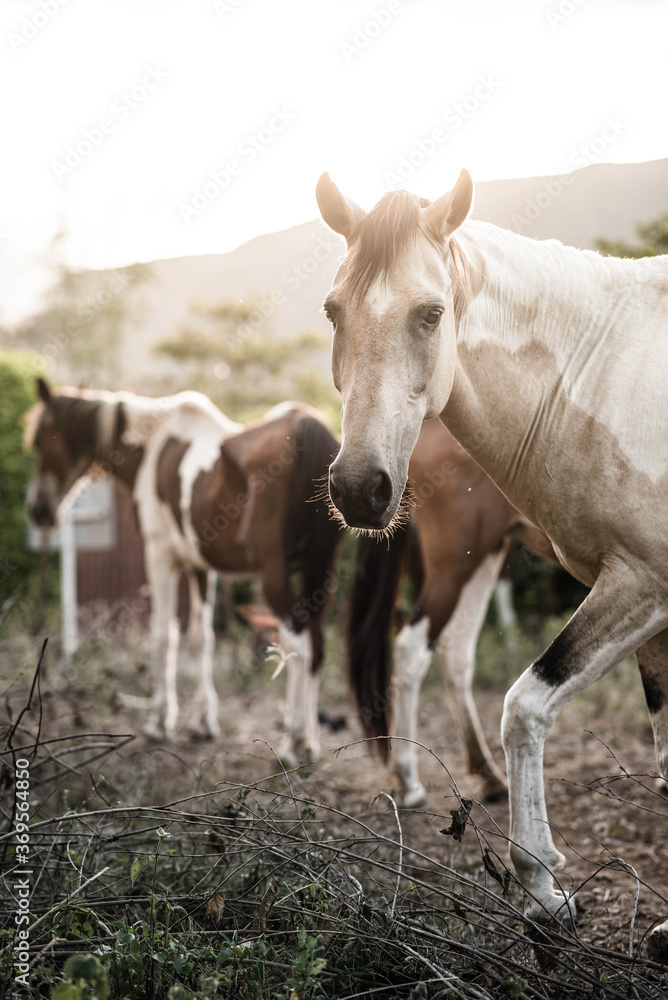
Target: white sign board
(92, 514)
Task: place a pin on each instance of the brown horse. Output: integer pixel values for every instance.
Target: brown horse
(464, 526)
(211, 497)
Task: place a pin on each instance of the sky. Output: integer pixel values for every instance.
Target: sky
(146, 129)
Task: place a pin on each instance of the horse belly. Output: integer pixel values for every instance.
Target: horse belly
(599, 510)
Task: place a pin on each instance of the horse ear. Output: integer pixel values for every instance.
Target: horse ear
(446, 214)
(341, 214)
(43, 391)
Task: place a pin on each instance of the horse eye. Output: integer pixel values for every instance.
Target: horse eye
(432, 317)
(329, 315)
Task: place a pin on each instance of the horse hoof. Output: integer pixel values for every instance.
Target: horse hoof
(155, 733)
(545, 923)
(557, 910)
(416, 800)
(203, 731)
(295, 753)
(202, 735)
(288, 755)
(657, 945)
(661, 786)
(545, 929)
(159, 732)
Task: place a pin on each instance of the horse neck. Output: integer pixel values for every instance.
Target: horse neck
(88, 425)
(539, 321)
(124, 463)
(526, 290)
(93, 426)
(135, 420)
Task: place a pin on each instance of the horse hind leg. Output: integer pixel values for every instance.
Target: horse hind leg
(456, 651)
(203, 722)
(653, 662)
(412, 657)
(505, 612)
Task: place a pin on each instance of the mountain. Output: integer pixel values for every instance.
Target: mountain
(286, 273)
(602, 200)
(289, 272)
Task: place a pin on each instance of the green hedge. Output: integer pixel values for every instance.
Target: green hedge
(17, 394)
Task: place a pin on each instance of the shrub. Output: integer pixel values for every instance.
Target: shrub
(16, 396)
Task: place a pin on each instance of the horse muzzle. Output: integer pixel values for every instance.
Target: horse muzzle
(364, 502)
(42, 513)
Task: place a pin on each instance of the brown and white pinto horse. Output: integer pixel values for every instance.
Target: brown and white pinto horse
(464, 526)
(211, 497)
(550, 366)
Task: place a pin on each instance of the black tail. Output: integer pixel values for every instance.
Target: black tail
(378, 569)
(312, 535)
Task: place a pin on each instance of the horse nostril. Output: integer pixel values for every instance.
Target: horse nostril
(379, 492)
(334, 491)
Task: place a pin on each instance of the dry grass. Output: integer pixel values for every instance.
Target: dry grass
(184, 886)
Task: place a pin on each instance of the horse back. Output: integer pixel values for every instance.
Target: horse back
(255, 505)
(285, 459)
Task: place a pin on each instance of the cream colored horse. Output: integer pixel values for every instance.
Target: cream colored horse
(550, 365)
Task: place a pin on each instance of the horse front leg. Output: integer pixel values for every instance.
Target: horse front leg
(163, 579)
(620, 613)
(456, 650)
(203, 722)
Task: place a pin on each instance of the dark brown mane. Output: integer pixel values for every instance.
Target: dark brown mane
(82, 424)
(384, 232)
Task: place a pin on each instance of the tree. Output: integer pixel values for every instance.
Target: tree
(231, 355)
(652, 237)
(79, 332)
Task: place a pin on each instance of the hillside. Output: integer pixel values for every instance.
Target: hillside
(289, 272)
